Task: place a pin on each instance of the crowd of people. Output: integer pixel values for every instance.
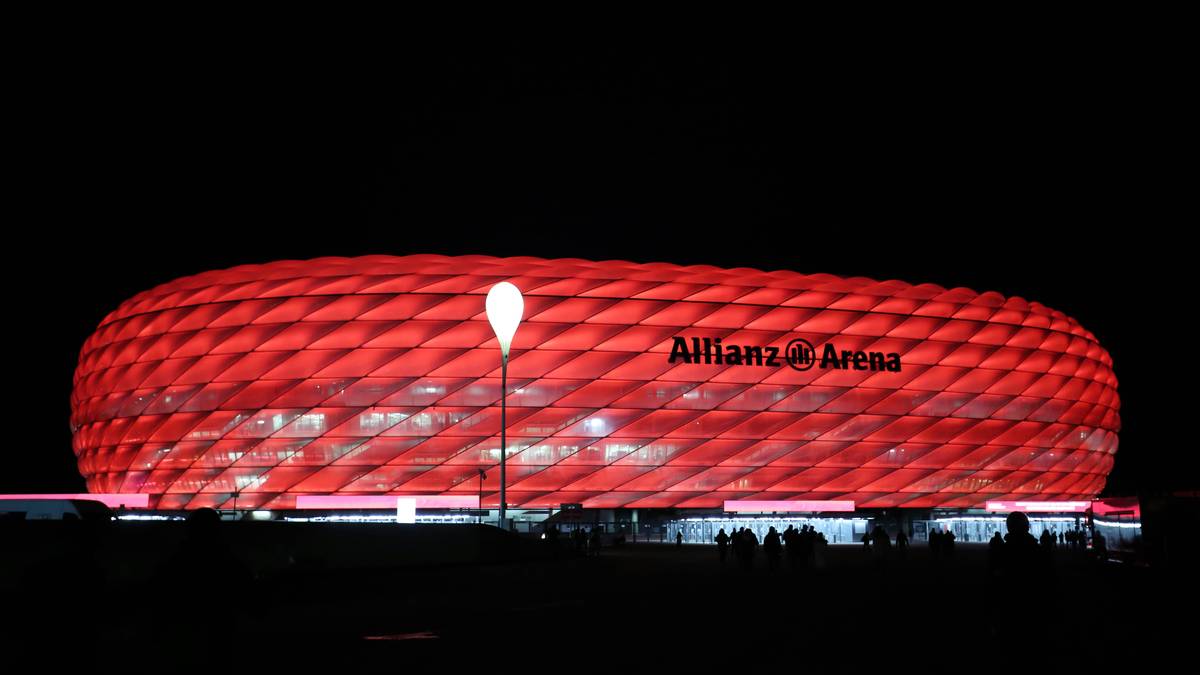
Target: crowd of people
(803, 547)
(582, 540)
(941, 544)
(1020, 542)
(878, 541)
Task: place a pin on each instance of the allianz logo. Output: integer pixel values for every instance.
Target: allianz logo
(798, 355)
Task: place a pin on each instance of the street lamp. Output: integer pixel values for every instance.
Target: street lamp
(479, 506)
(504, 308)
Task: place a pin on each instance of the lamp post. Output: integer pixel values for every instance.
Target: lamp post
(504, 308)
(479, 506)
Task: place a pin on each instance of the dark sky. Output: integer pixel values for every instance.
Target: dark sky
(1045, 176)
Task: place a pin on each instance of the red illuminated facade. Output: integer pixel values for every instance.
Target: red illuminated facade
(381, 375)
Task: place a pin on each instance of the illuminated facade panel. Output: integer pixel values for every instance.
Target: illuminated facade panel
(630, 385)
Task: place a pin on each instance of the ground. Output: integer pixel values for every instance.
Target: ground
(658, 602)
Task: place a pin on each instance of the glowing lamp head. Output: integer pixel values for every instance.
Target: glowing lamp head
(504, 309)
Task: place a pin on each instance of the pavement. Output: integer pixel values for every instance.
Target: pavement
(635, 604)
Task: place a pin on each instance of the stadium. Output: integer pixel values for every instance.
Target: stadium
(688, 393)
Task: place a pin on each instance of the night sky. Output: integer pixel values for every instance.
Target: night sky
(1052, 181)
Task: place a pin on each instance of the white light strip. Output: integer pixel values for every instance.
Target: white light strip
(997, 519)
(380, 519)
(131, 516)
(767, 519)
(1123, 526)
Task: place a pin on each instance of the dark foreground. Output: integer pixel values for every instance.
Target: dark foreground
(632, 606)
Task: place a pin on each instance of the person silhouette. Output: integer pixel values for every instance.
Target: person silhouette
(1046, 540)
(1099, 546)
(880, 541)
(1021, 551)
(749, 542)
(808, 546)
(791, 544)
(995, 551)
(772, 548)
(594, 542)
(818, 545)
(1024, 570)
(679, 539)
(722, 540)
